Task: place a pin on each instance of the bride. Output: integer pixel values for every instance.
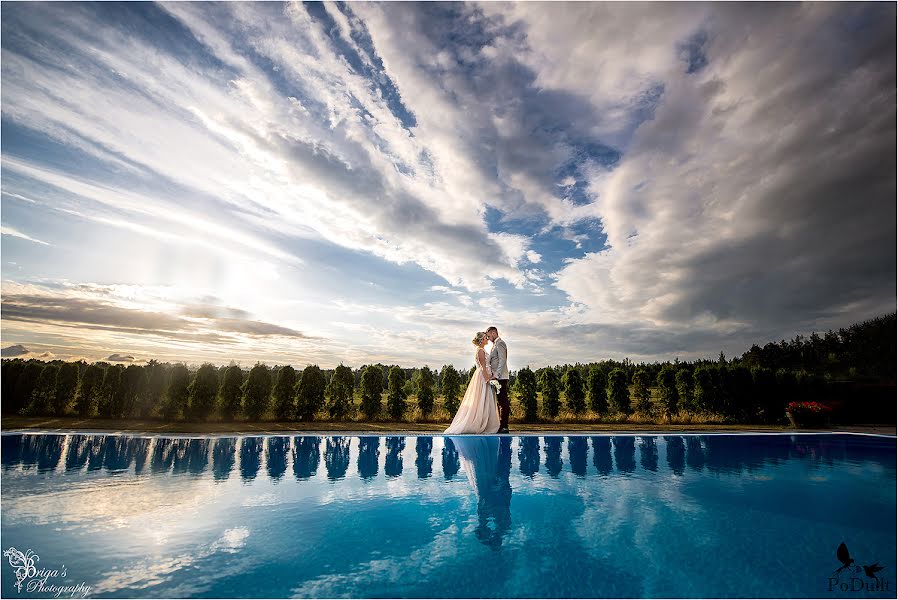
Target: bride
(478, 412)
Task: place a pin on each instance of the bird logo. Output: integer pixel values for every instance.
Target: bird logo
(844, 558)
(872, 570)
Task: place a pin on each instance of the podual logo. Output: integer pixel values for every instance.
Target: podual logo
(871, 582)
(38, 581)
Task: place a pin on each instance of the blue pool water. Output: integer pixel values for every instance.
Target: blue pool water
(468, 516)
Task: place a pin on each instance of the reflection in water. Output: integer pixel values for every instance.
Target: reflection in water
(393, 462)
(369, 450)
(121, 453)
(450, 459)
(625, 454)
(163, 456)
(553, 455)
(648, 454)
(223, 457)
(76, 456)
(486, 460)
(423, 460)
(192, 457)
(141, 453)
(336, 457)
(11, 450)
(695, 454)
(676, 453)
(176, 517)
(601, 454)
(306, 456)
(276, 457)
(528, 456)
(576, 449)
(250, 457)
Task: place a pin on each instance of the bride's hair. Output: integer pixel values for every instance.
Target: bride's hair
(478, 338)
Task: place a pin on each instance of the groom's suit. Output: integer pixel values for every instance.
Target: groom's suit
(499, 366)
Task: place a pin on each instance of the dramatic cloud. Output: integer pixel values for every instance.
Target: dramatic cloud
(376, 181)
(13, 351)
(120, 358)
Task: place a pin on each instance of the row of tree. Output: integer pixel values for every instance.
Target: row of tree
(744, 390)
(34, 387)
(864, 350)
(734, 392)
(172, 392)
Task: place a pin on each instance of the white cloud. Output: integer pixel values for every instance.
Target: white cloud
(11, 231)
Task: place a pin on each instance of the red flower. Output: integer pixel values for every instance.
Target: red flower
(808, 407)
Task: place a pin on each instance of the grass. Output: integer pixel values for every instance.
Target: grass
(158, 425)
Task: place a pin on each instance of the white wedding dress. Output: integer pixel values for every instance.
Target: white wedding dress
(478, 411)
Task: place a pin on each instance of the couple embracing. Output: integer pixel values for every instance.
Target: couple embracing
(478, 411)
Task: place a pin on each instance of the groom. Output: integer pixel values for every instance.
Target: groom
(499, 365)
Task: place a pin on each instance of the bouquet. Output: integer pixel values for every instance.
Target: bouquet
(496, 385)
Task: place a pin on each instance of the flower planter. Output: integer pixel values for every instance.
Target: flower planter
(808, 414)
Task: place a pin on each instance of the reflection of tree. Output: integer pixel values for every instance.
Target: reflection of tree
(369, 450)
(486, 461)
(250, 457)
(625, 454)
(11, 450)
(393, 460)
(676, 453)
(75, 458)
(141, 454)
(198, 455)
(191, 455)
(695, 455)
(336, 457)
(118, 453)
(576, 449)
(180, 458)
(648, 454)
(504, 469)
(96, 452)
(450, 459)
(224, 455)
(528, 455)
(276, 456)
(601, 454)
(163, 456)
(423, 460)
(306, 456)
(553, 455)
(42, 450)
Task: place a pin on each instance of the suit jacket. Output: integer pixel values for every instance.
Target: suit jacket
(499, 359)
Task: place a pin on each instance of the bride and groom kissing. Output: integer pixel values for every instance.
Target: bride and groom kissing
(478, 411)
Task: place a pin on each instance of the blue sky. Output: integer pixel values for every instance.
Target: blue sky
(360, 182)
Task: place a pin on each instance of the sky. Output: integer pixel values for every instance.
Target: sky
(376, 182)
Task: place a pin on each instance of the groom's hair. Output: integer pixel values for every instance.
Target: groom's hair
(491, 328)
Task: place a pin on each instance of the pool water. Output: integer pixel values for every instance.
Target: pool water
(463, 516)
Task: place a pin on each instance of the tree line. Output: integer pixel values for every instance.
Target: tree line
(753, 388)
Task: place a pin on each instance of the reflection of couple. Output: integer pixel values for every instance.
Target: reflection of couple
(478, 412)
(486, 461)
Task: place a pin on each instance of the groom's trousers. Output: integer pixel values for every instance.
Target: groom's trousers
(504, 407)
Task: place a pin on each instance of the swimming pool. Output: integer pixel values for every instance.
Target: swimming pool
(462, 516)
